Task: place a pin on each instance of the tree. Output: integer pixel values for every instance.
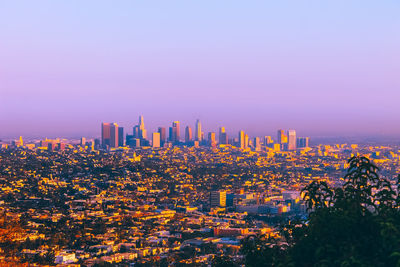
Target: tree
(357, 224)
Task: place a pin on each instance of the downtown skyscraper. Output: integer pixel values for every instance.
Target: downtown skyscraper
(223, 136)
(110, 133)
(139, 131)
(198, 133)
(291, 140)
(174, 132)
(188, 134)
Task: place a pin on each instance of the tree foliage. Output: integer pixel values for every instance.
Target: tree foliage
(357, 224)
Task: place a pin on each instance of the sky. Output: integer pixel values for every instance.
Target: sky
(324, 68)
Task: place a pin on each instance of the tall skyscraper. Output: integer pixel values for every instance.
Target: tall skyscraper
(171, 135)
(120, 136)
(177, 131)
(257, 144)
(211, 139)
(282, 138)
(292, 140)
(198, 133)
(105, 134)
(142, 128)
(188, 134)
(114, 135)
(136, 131)
(241, 140)
(246, 141)
(83, 141)
(223, 137)
(156, 139)
(163, 136)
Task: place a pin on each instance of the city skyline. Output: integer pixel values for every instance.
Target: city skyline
(199, 133)
(267, 131)
(324, 69)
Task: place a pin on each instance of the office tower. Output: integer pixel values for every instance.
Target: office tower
(130, 140)
(218, 199)
(303, 142)
(83, 141)
(177, 131)
(163, 137)
(268, 140)
(306, 142)
(156, 139)
(257, 144)
(136, 142)
(114, 135)
(223, 137)
(171, 134)
(211, 139)
(282, 138)
(246, 141)
(291, 140)
(198, 133)
(142, 129)
(241, 139)
(120, 136)
(105, 134)
(136, 131)
(188, 134)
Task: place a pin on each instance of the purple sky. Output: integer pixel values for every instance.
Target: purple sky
(324, 68)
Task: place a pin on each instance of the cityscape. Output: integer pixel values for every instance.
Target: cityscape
(126, 199)
(112, 136)
(200, 133)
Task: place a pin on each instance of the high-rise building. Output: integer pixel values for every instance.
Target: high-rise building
(291, 140)
(188, 134)
(198, 133)
(163, 136)
(156, 139)
(171, 135)
(257, 144)
(130, 140)
(120, 136)
(114, 135)
(105, 134)
(303, 142)
(223, 137)
(83, 141)
(136, 131)
(218, 198)
(241, 140)
(142, 128)
(282, 138)
(268, 140)
(177, 131)
(246, 141)
(211, 139)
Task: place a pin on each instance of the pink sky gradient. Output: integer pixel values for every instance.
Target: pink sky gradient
(322, 68)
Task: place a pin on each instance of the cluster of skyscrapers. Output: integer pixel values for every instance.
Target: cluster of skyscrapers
(112, 136)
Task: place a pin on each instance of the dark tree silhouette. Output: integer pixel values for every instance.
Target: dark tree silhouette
(357, 224)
